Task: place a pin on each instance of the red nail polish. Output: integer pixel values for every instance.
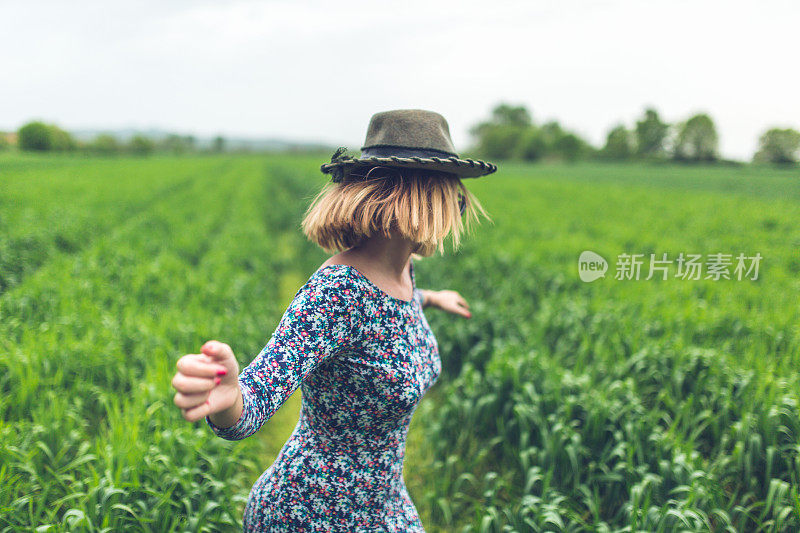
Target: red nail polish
(222, 372)
(217, 380)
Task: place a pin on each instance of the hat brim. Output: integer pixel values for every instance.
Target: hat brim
(464, 168)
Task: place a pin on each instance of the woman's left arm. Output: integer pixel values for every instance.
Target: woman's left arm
(446, 300)
(322, 320)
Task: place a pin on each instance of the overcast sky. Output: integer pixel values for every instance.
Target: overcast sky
(317, 70)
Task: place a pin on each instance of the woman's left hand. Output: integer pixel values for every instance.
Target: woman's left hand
(449, 301)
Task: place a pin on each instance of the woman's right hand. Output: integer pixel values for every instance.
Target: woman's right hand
(207, 382)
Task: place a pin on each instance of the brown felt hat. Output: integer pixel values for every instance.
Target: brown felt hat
(408, 138)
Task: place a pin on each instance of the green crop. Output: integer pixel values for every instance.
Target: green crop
(656, 405)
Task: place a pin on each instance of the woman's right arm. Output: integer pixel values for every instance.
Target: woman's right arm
(447, 300)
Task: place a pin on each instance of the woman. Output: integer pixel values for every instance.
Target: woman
(354, 338)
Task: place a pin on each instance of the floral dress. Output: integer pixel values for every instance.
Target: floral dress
(363, 360)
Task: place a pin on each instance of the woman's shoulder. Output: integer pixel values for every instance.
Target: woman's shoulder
(331, 291)
(336, 281)
(334, 275)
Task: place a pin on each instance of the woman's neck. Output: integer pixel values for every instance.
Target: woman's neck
(385, 257)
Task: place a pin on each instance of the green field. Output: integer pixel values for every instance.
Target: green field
(617, 405)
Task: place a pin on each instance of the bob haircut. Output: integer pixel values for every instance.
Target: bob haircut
(421, 205)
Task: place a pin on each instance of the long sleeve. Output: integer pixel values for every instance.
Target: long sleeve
(322, 320)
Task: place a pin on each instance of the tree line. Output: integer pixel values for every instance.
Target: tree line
(511, 133)
(39, 136)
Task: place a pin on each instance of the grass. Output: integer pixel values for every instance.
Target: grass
(615, 405)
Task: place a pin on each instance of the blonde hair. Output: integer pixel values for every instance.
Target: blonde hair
(422, 205)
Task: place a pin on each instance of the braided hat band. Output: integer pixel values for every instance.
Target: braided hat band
(464, 168)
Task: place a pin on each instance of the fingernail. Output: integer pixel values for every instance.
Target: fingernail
(222, 372)
(217, 380)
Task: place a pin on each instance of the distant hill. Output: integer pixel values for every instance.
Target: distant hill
(231, 143)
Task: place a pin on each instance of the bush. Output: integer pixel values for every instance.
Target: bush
(531, 145)
(569, 147)
(141, 145)
(105, 144)
(697, 140)
(512, 134)
(619, 144)
(499, 141)
(37, 136)
(778, 146)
